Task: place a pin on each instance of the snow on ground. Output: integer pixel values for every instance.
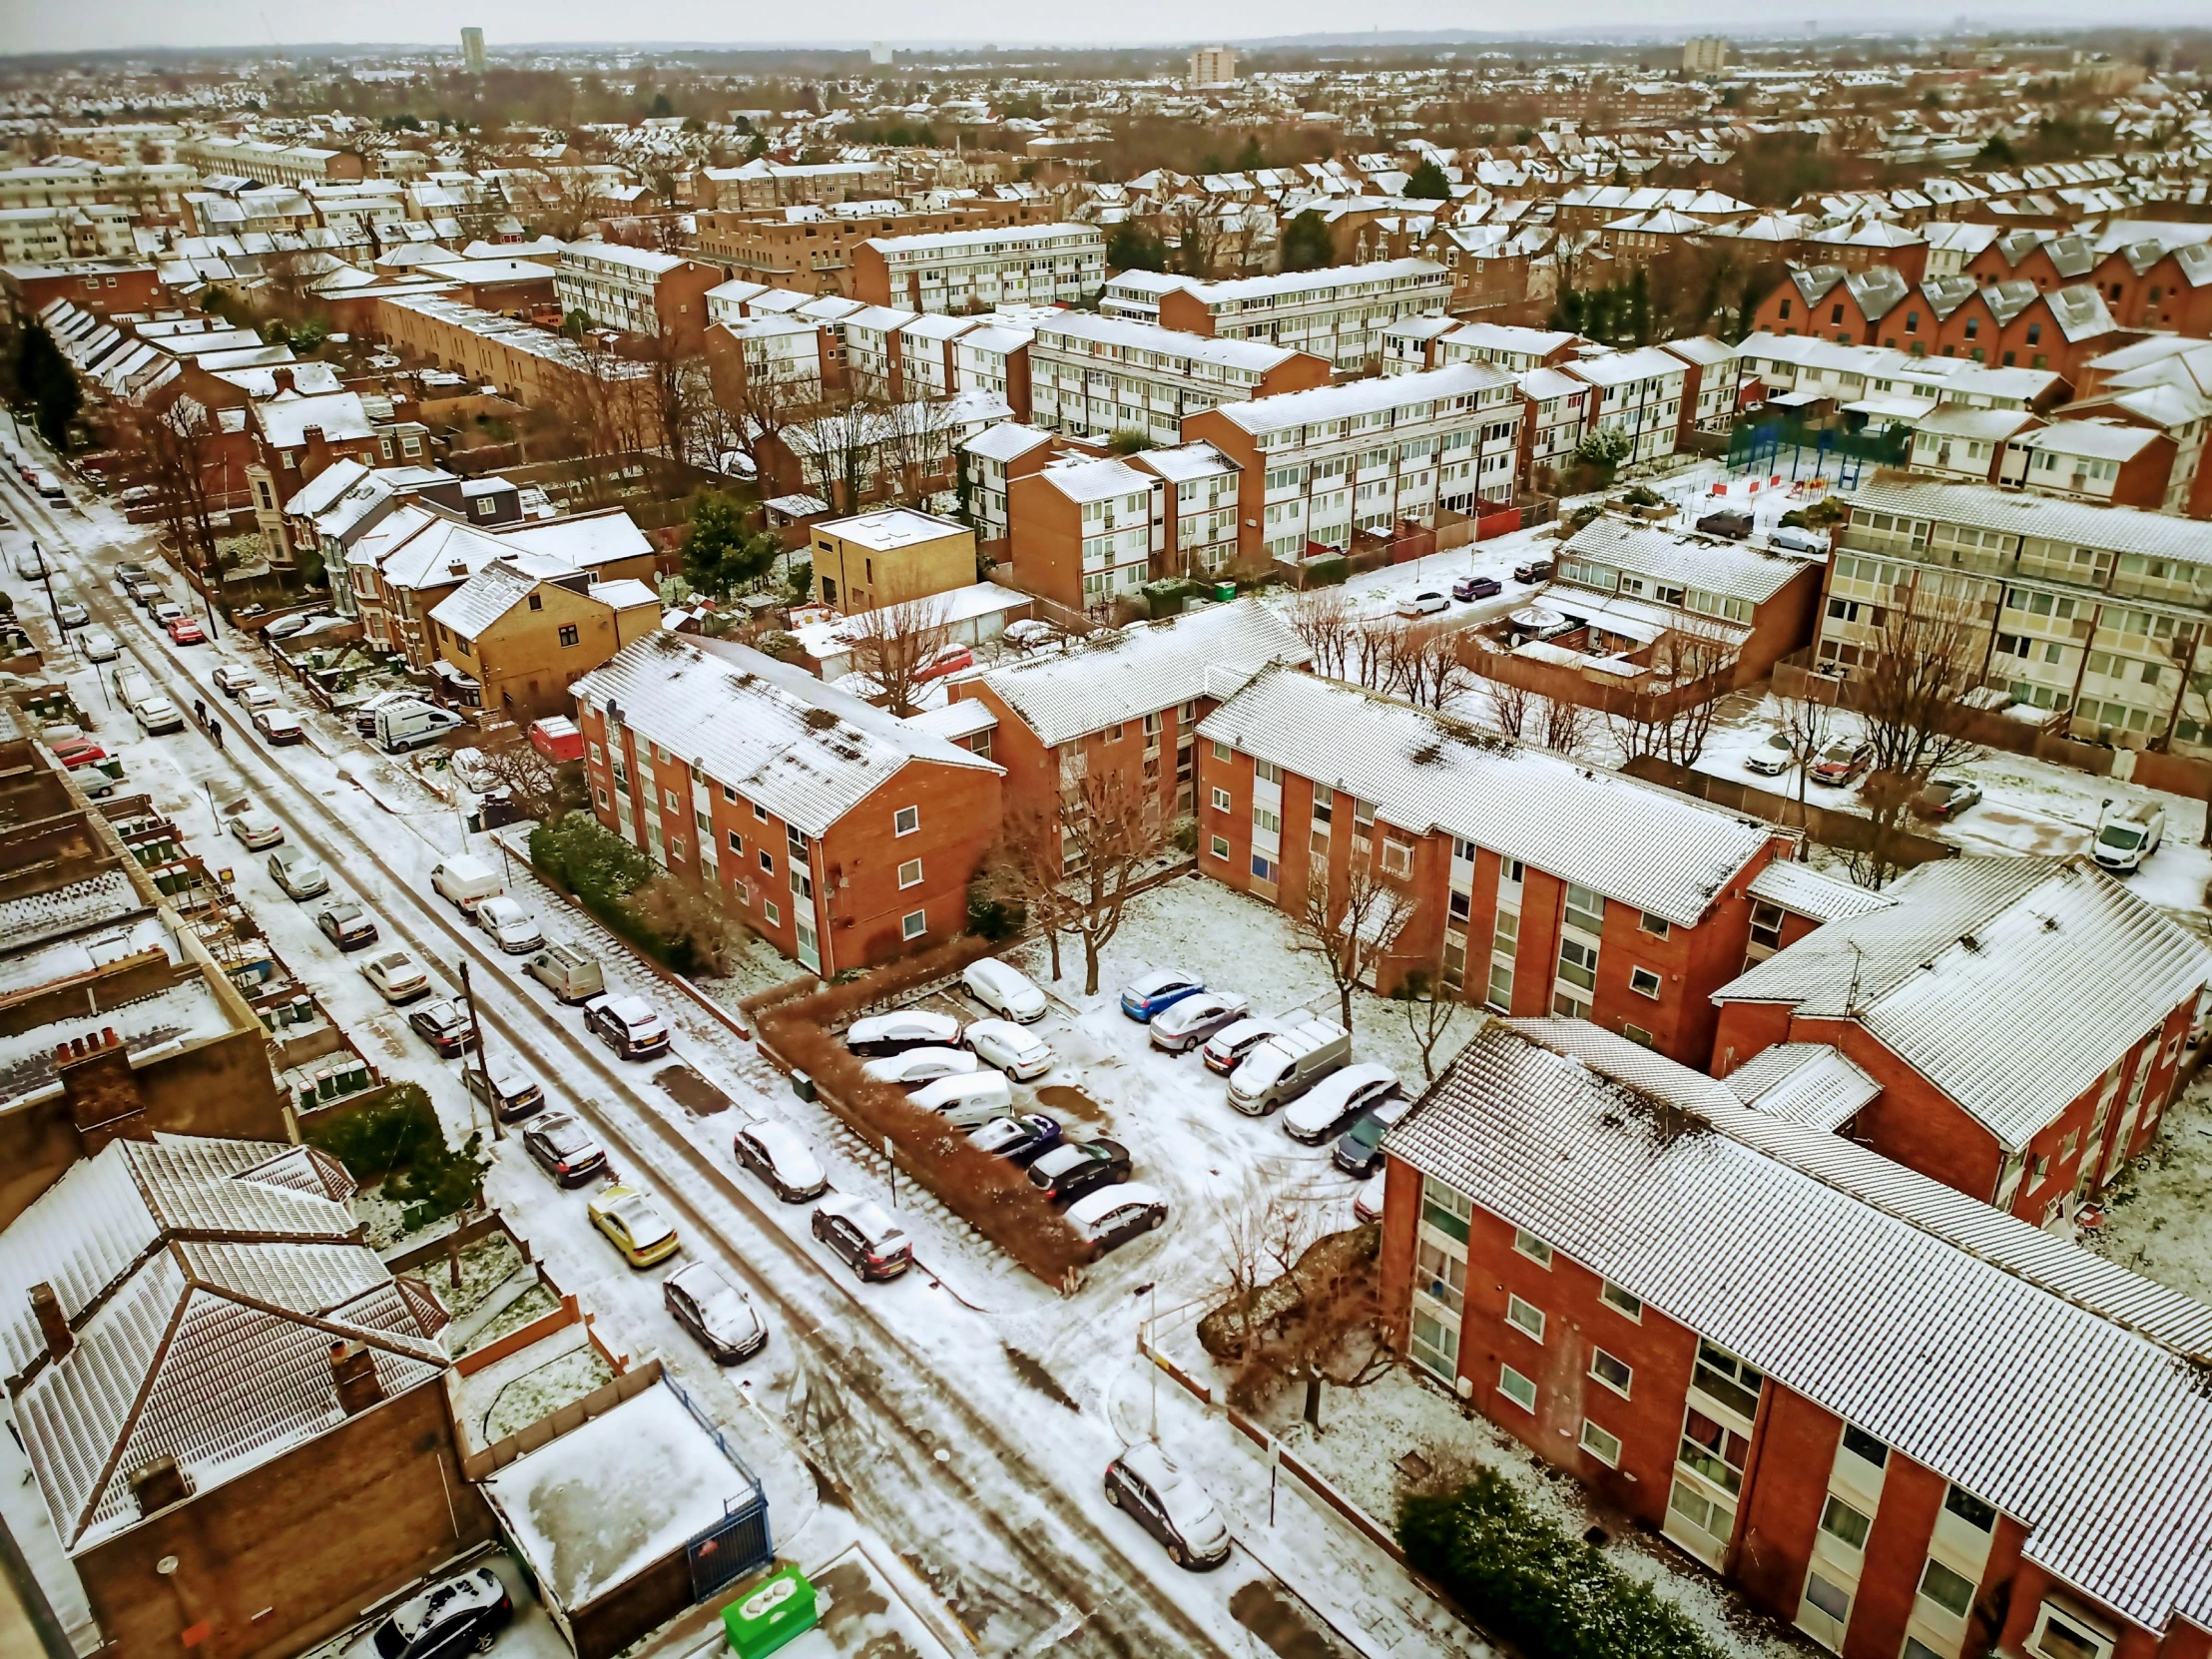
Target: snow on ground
(2155, 1215)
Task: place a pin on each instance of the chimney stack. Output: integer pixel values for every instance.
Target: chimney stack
(353, 1371)
(53, 1324)
(159, 1484)
(103, 1093)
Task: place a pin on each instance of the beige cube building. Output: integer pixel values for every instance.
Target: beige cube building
(890, 557)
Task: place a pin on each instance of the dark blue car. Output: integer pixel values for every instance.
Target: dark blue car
(1476, 587)
(1161, 988)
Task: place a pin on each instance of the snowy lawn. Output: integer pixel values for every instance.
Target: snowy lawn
(2155, 1215)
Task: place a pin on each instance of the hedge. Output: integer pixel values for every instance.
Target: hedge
(1535, 1586)
(394, 1137)
(582, 856)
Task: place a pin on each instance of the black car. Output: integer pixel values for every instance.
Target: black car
(454, 1616)
(1144, 1485)
(1476, 587)
(444, 1027)
(511, 1092)
(1021, 1141)
(714, 1312)
(871, 1243)
(1537, 570)
(348, 927)
(564, 1149)
(778, 1154)
(1069, 1170)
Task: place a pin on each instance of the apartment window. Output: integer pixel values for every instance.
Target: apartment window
(1525, 1316)
(1445, 1209)
(1585, 909)
(914, 925)
(1325, 803)
(1221, 749)
(1436, 1344)
(1578, 964)
(1219, 846)
(1516, 1388)
(537, 600)
(1263, 867)
(910, 874)
(736, 845)
(1865, 1446)
(1601, 1445)
(768, 909)
(1841, 1521)
(1656, 927)
(1951, 1591)
(1621, 1301)
(569, 636)
(767, 861)
(1221, 800)
(1982, 1517)
(1398, 856)
(905, 821)
(1723, 1377)
(1266, 820)
(2061, 1633)
(759, 811)
(1613, 1372)
(1443, 1277)
(1528, 1245)
(729, 794)
(1644, 982)
(1638, 1035)
(1829, 1598)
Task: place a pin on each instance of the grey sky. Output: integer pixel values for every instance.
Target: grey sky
(71, 25)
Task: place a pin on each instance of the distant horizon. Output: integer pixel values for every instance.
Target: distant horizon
(111, 28)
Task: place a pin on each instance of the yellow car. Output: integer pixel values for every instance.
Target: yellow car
(629, 1217)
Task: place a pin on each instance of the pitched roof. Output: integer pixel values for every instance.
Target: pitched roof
(806, 751)
(2009, 512)
(2011, 984)
(1803, 890)
(1712, 563)
(1634, 842)
(1807, 1083)
(1885, 1298)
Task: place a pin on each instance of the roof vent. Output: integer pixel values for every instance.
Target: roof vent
(53, 1324)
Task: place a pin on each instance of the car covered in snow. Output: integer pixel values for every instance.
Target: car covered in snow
(863, 1236)
(1469, 587)
(398, 976)
(967, 1101)
(1110, 1217)
(719, 1317)
(509, 924)
(1148, 994)
(627, 1025)
(1020, 1054)
(456, 1615)
(1021, 1141)
(1427, 602)
(100, 646)
(1074, 1168)
(1144, 1485)
(346, 925)
(1841, 761)
(280, 726)
(185, 630)
(779, 1155)
(1945, 798)
(1771, 756)
(564, 1147)
(499, 1081)
(1367, 1203)
(634, 1224)
(1004, 989)
(298, 871)
(156, 715)
(257, 827)
(921, 1065)
(1329, 1105)
(444, 1025)
(232, 678)
(1183, 1025)
(894, 1033)
(1234, 1041)
(1359, 1150)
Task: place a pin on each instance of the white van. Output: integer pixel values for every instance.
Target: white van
(1286, 1065)
(967, 1100)
(2129, 836)
(411, 725)
(467, 882)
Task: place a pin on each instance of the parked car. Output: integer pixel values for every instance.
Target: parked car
(280, 726)
(285, 626)
(1771, 756)
(398, 976)
(411, 724)
(1427, 602)
(969, 1100)
(76, 752)
(166, 613)
(472, 769)
(634, 1224)
(1004, 989)
(1169, 1504)
(921, 1065)
(1226, 1047)
(1323, 1110)
(1469, 587)
(1367, 1203)
(627, 1025)
(948, 659)
(130, 570)
(456, 1615)
(99, 646)
(1945, 798)
(509, 924)
(1358, 1149)
(466, 880)
(144, 592)
(156, 715)
(894, 1033)
(1285, 1066)
(504, 1088)
(1536, 570)
(1728, 525)
(346, 925)
(867, 1240)
(779, 1155)
(1075, 1168)
(1110, 1217)
(1021, 1141)
(1146, 995)
(1014, 1051)
(564, 1149)
(257, 827)
(230, 678)
(2126, 840)
(72, 615)
(1182, 1026)
(444, 1025)
(719, 1317)
(1841, 761)
(572, 975)
(185, 630)
(298, 871)
(1792, 538)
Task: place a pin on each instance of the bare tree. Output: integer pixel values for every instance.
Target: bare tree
(1322, 618)
(175, 449)
(1371, 649)
(1430, 1006)
(1566, 724)
(609, 404)
(1109, 831)
(1028, 867)
(1911, 700)
(896, 644)
(1693, 650)
(1808, 725)
(914, 439)
(1352, 925)
(1427, 668)
(1513, 707)
(691, 915)
(539, 788)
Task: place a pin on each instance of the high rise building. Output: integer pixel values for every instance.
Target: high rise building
(1706, 55)
(1213, 65)
(472, 50)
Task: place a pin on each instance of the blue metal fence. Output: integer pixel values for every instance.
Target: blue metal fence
(739, 1543)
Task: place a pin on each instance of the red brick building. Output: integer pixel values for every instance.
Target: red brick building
(1536, 882)
(1863, 1399)
(108, 286)
(2023, 1020)
(2008, 325)
(843, 835)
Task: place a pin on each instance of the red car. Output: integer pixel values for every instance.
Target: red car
(950, 660)
(185, 631)
(79, 752)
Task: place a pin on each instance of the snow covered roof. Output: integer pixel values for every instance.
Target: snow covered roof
(756, 725)
(1359, 398)
(584, 541)
(891, 528)
(1613, 368)
(2009, 512)
(1807, 1083)
(1285, 285)
(1712, 563)
(1128, 673)
(2010, 983)
(1073, 330)
(284, 419)
(206, 1281)
(1088, 478)
(1885, 1298)
(1635, 843)
(484, 598)
(1803, 890)
(1007, 442)
(2105, 440)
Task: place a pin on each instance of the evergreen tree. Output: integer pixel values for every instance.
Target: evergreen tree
(720, 555)
(43, 375)
(1249, 159)
(1427, 182)
(1130, 246)
(1306, 244)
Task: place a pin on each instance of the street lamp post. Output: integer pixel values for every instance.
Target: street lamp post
(483, 1061)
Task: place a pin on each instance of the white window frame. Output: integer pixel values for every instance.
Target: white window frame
(914, 880)
(906, 821)
(1511, 1384)
(1524, 1316)
(1528, 1244)
(914, 925)
(1221, 799)
(1610, 1458)
(1624, 1303)
(1637, 977)
(1598, 1376)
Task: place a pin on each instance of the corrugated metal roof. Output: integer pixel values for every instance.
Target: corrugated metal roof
(2059, 1388)
(1803, 1083)
(1805, 891)
(1985, 507)
(2011, 984)
(1634, 842)
(759, 726)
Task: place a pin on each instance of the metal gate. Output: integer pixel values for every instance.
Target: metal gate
(734, 1547)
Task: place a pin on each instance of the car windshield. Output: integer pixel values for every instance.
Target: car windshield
(390, 1642)
(1366, 1132)
(2126, 838)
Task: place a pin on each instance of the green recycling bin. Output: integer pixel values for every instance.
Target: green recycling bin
(778, 1610)
(1225, 591)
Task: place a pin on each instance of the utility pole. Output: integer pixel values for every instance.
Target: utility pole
(46, 580)
(483, 1061)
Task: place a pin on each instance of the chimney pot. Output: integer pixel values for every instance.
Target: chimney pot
(53, 1324)
(108, 1037)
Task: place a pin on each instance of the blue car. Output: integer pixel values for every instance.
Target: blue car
(1476, 587)
(1161, 988)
